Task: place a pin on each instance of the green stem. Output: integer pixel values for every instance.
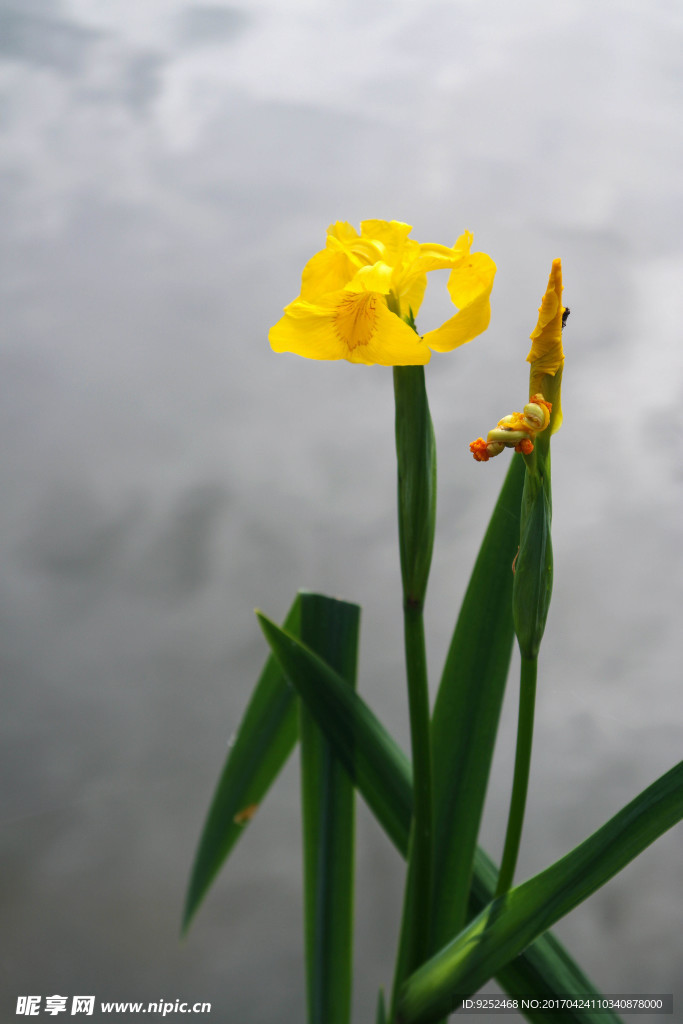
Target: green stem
(416, 464)
(423, 826)
(414, 942)
(520, 782)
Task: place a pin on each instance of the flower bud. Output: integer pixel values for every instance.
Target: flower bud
(533, 581)
(506, 436)
(536, 416)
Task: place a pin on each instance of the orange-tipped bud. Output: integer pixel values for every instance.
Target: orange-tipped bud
(517, 430)
(479, 450)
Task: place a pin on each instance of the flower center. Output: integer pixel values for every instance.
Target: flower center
(355, 319)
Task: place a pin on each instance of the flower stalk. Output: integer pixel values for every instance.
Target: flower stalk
(416, 459)
(520, 781)
(529, 433)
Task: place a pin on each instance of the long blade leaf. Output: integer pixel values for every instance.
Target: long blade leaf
(265, 739)
(507, 925)
(329, 627)
(467, 708)
(545, 970)
(382, 774)
(370, 755)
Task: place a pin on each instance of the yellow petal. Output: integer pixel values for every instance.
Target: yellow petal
(470, 285)
(438, 257)
(327, 271)
(410, 278)
(471, 278)
(305, 332)
(410, 293)
(393, 343)
(377, 278)
(399, 252)
(335, 265)
(361, 249)
(343, 231)
(433, 256)
(418, 259)
(356, 326)
(390, 234)
(546, 355)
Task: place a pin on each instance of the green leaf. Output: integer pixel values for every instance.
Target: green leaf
(382, 774)
(329, 627)
(369, 754)
(545, 970)
(467, 708)
(381, 1016)
(265, 739)
(508, 925)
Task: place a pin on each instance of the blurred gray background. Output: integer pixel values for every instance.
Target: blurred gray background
(167, 168)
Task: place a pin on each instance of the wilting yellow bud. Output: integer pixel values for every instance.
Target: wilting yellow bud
(506, 435)
(518, 430)
(537, 414)
(546, 355)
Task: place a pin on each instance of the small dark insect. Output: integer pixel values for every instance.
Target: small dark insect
(565, 314)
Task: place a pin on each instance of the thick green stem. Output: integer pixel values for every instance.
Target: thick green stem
(423, 825)
(416, 458)
(520, 782)
(414, 942)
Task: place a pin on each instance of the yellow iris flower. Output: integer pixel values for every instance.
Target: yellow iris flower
(360, 294)
(519, 430)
